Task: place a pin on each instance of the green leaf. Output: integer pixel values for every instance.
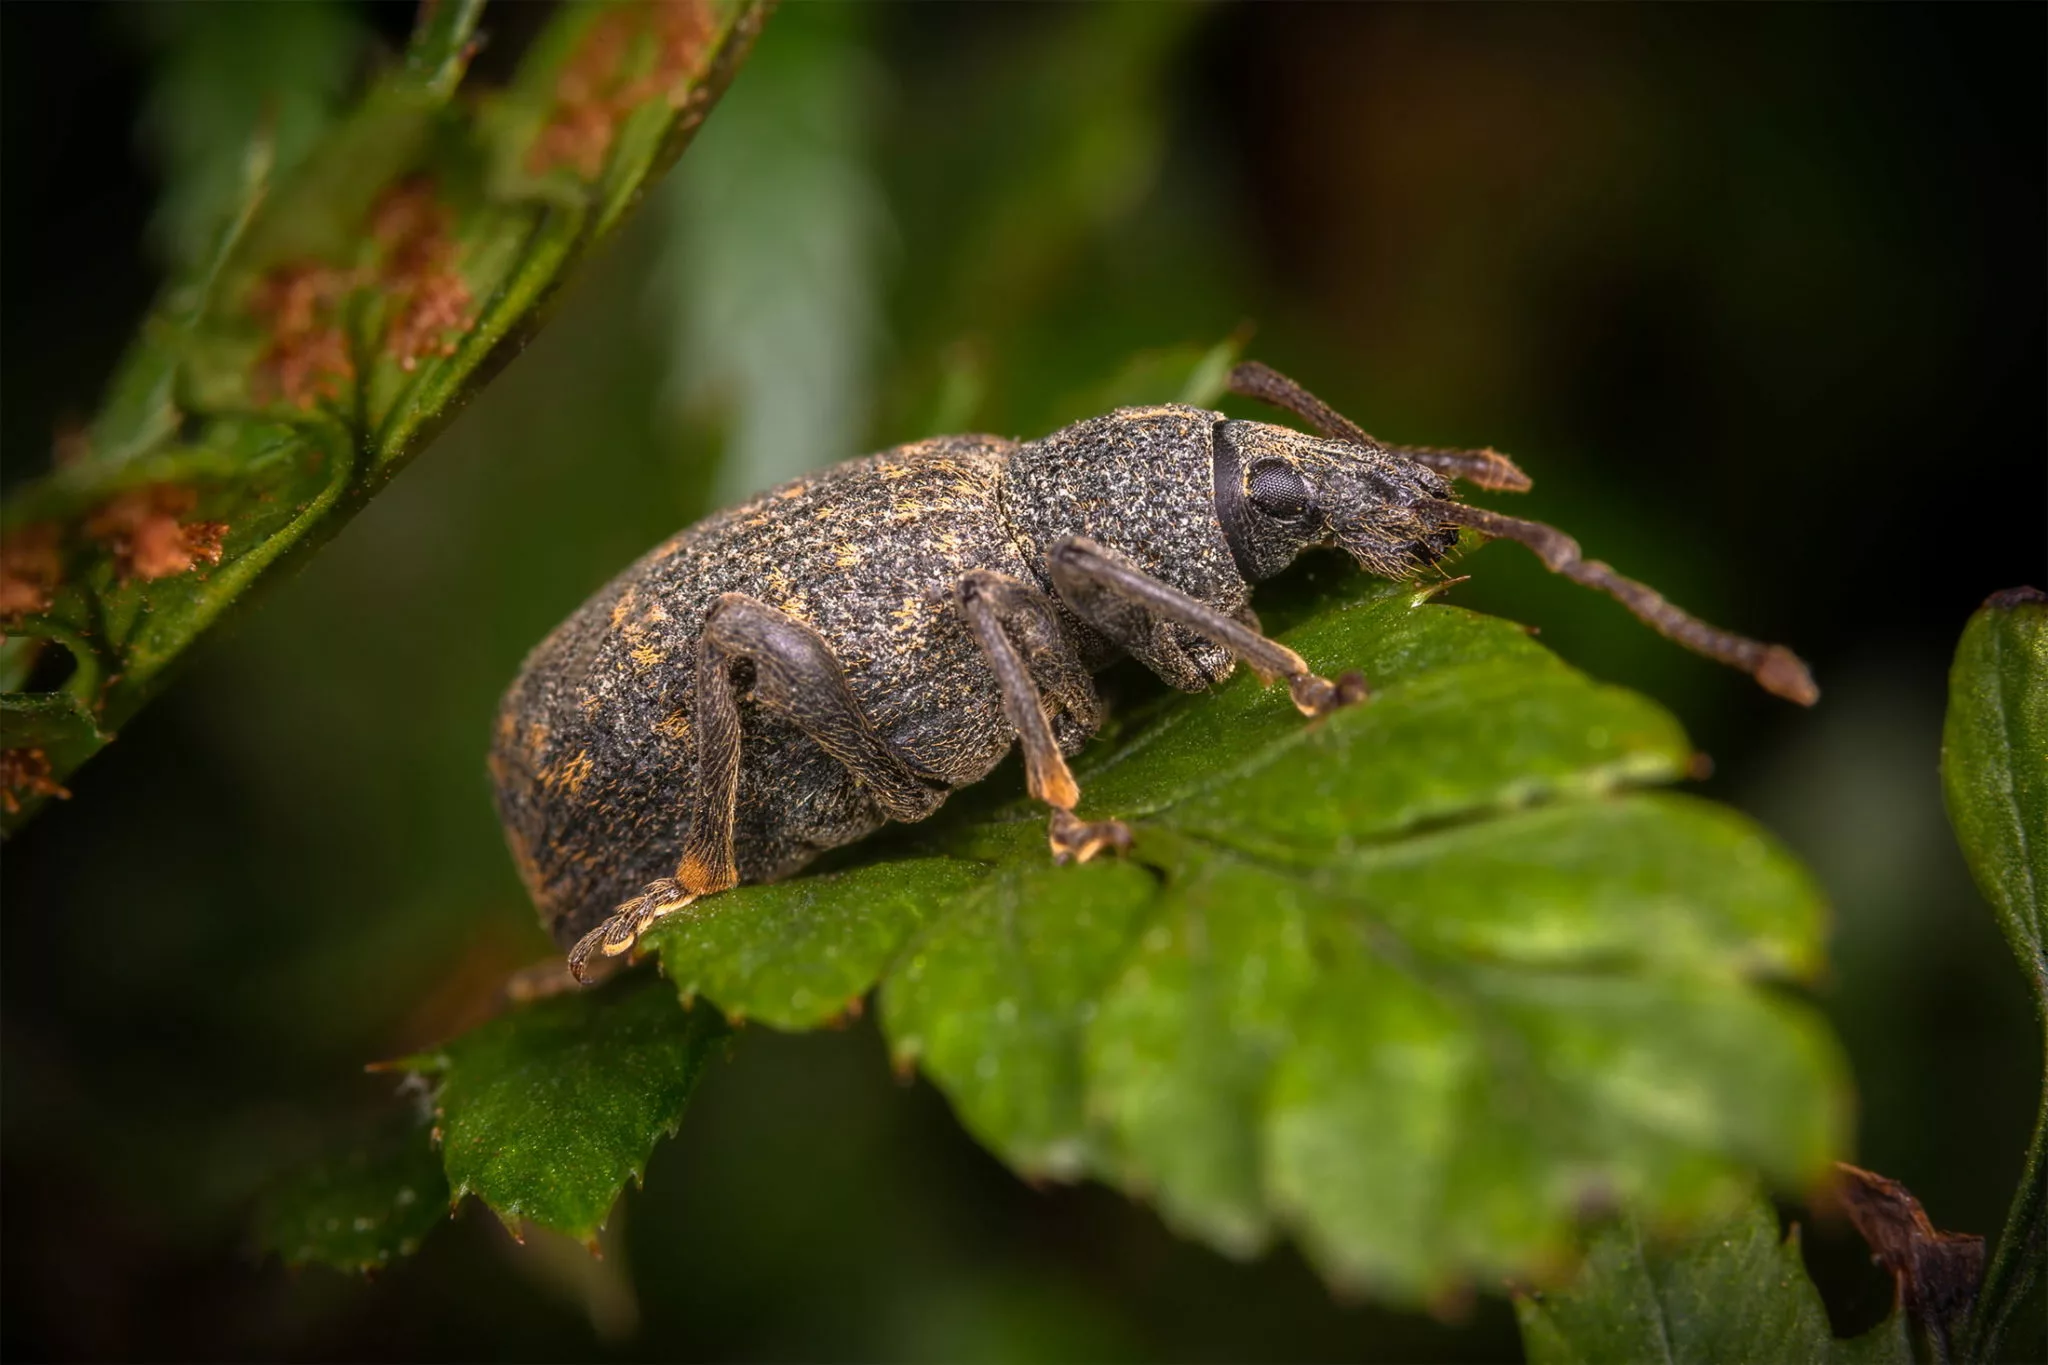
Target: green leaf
(545, 1113)
(340, 319)
(362, 1207)
(1735, 1291)
(1415, 984)
(1994, 774)
(1994, 767)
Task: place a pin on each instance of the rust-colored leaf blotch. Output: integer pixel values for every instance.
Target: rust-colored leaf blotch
(429, 297)
(143, 529)
(26, 772)
(308, 356)
(31, 566)
(608, 78)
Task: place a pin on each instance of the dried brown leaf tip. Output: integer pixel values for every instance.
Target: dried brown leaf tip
(143, 528)
(613, 73)
(1937, 1272)
(26, 772)
(429, 298)
(308, 356)
(31, 566)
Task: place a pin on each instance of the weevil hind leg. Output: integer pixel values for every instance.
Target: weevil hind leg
(1018, 630)
(795, 675)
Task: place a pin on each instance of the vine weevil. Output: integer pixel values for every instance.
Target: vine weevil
(786, 676)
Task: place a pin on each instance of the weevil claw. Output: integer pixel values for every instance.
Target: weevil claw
(1317, 697)
(1076, 841)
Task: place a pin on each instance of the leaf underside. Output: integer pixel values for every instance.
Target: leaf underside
(1417, 984)
(344, 316)
(547, 1112)
(1735, 1290)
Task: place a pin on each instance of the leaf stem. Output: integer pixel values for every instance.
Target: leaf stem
(2017, 1263)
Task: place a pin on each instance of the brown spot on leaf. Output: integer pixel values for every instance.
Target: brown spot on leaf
(429, 298)
(308, 356)
(30, 569)
(1937, 1272)
(628, 56)
(26, 771)
(142, 528)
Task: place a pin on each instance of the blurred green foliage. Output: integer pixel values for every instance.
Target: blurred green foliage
(1743, 310)
(342, 308)
(1736, 1290)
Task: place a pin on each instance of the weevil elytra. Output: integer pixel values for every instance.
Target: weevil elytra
(786, 676)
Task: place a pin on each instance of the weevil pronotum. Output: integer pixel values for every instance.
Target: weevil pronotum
(785, 677)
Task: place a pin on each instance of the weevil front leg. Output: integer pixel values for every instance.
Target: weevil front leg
(1018, 629)
(1131, 607)
(795, 675)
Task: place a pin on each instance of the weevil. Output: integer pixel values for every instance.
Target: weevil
(786, 676)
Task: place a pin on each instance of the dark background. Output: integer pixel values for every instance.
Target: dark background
(1755, 293)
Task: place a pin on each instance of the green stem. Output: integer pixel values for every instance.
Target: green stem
(2016, 1265)
(440, 48)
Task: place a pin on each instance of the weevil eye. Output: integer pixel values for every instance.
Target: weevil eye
(1277, 490)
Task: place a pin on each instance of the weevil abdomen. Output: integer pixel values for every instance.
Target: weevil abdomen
(593, 761)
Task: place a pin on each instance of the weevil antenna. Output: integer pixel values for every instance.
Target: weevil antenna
(1488, 469)
(1776, 669)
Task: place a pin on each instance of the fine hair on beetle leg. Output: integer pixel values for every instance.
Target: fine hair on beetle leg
(1776, 669)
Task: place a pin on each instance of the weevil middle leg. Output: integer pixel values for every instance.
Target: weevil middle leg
(1018, 630)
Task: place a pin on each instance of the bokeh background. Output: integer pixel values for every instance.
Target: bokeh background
(1755, 293)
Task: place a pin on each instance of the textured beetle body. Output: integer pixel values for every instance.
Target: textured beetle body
(786, 676)
(592, 760)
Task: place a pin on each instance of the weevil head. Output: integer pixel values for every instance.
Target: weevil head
(1278, 492)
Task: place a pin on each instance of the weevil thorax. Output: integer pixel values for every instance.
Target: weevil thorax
(1278, 492)
(1140, 481)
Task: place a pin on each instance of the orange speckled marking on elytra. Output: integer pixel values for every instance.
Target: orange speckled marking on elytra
(524, 863)
(569, 775)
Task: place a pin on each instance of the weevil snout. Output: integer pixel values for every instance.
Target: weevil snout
(1279, 492)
